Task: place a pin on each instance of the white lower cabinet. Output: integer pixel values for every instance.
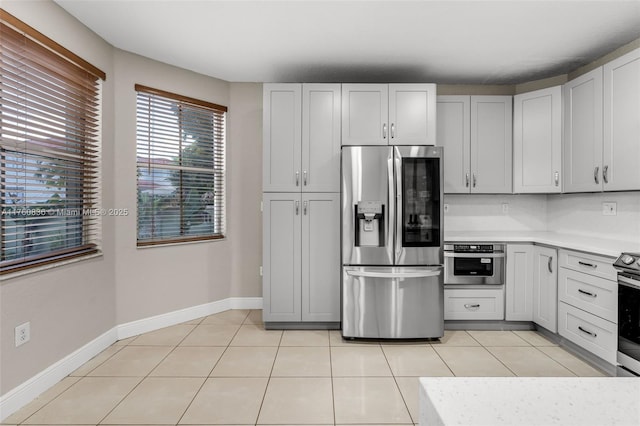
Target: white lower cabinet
(545, 287)
(588, 303)
(301, 257)
(473, 304)
(594, 334)
(519, 283)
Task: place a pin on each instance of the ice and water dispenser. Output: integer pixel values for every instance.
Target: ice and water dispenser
(369, 226)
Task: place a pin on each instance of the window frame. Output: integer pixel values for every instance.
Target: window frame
(78, 155)
(217, 171)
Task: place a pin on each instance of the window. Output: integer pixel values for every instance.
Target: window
(180, 157)
(49, 150)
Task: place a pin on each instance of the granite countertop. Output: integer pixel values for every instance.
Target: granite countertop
(523, 401)
(601, 246)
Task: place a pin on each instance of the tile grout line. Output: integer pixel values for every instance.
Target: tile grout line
(395, 380)
(266, 388)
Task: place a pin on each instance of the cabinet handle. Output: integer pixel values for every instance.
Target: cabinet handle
(549, 265)
(590, 333)
(393, 131)
(587, 293)
(595, 174)
(297, 208)
(474, 180)
(472, 306)
(605, 178)
(304, 208)
(304, 178)
(467, 180)
(297, 178)
(384, 130)
(590, 265)
(556, 178)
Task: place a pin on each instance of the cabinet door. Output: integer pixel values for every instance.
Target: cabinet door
(537, 141)
(453, 125)
(583, 133)
(281, 127)
(412, 114)
(491, 144)
(622, 123)
(321, 138)
(519, 283)
(545, 287)
(365, 111)
(321, 257)
(281, 257)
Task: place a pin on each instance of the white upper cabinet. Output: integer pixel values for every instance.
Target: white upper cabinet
(622, 123)
(537, 141)
(282, 133)
(301, 137)
(582, 170)
(476, 133)
(388, 114)
(412, 114)
(320, 138)
(453, 133)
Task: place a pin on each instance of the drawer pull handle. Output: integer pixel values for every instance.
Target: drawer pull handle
(587, 293)
(587, 332)
(590, 265)
(472, 306)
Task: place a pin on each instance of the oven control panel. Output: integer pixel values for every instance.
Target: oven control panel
(629, 262)
(474, 248)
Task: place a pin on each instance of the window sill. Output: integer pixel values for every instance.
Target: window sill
(24, 272)
(181, 243)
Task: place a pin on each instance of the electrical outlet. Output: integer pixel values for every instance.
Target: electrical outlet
(505, 208)
(23, 333)
(609, 209)
(446, 208)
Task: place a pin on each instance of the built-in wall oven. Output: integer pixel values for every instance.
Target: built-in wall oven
(628, 357)
(474, 264)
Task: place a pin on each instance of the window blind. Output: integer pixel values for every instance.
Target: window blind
(181, 168)
(49, 150)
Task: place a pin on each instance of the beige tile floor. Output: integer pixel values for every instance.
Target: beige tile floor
(227, 369)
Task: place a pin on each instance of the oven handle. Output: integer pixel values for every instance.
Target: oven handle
(629, 282)
(475, 255)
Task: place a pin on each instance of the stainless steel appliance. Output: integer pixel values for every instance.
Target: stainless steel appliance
(474, 264)
(392, 281)
(628, 266)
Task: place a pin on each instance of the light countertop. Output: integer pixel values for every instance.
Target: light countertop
(601, 246)
(579, 401)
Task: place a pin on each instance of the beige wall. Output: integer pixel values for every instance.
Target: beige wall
(244, 173)
(160, 279)
(68, 306)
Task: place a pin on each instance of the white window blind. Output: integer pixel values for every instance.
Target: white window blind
(49, 150)
(181, 160)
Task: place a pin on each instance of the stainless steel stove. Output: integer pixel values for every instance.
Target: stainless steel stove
(628, 266)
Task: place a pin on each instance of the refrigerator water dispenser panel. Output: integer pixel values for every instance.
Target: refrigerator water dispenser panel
(370, 224)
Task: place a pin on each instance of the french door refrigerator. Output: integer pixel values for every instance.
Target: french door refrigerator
(392, 241)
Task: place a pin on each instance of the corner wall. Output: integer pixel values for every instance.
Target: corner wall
(68, 306)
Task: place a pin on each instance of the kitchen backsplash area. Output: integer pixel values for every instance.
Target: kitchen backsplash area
(582, 214)
(578, 214)
(499, 212)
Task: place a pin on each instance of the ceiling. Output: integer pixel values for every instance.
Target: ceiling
(454, 42)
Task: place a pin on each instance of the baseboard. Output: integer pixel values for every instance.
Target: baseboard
(26, 392)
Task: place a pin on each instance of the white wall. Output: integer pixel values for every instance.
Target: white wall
(581, 214)
(483, 212)
(68, 306)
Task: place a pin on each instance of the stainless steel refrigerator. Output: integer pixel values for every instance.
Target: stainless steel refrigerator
(392, 241)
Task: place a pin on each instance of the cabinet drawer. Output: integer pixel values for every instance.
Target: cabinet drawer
(465, 304)
(588, 331)
(591, 264)
(592, 294)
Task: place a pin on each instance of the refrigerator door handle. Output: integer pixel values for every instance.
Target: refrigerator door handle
(408, 274)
